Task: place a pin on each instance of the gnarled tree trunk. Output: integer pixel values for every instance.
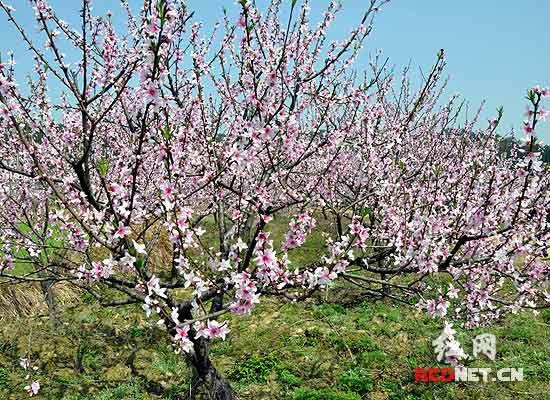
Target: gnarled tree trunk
(209, 381)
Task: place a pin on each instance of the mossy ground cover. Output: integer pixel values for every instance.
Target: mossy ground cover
(309, 351)
(323, 349)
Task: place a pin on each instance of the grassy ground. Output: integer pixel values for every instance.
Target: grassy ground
(284, 351)
(319, 350)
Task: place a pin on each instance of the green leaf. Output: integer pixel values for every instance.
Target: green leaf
(167, 133)
(294, 2)
(161, 10)
(103, 167)
(140, 263)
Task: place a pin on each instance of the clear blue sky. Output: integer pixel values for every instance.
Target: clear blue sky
(495, 49)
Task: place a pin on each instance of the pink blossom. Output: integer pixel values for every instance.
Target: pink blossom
(216, 330)
(265, 258)
(121, 232)
(182, 333)
(33, 388)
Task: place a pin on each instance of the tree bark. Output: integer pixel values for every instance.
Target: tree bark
(51, 302)
(209, 382)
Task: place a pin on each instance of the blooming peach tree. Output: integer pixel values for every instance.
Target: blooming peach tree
(441, 214)
(157, 171)
(162, 131)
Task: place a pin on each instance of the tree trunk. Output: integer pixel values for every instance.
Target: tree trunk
(51, 302)
(214, 386)
(210, 384)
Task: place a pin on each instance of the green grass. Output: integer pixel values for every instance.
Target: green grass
(54, 243)
(284, 350)
(317, 350)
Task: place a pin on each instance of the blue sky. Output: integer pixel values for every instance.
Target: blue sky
(495, 49)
